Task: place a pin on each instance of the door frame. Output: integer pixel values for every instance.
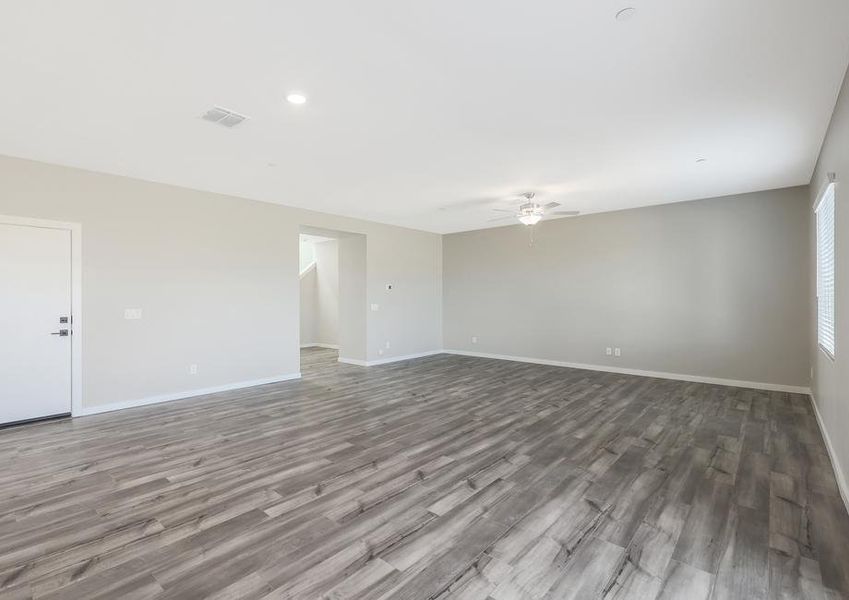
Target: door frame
(76, 299)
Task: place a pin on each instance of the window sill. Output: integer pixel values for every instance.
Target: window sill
(828, 354)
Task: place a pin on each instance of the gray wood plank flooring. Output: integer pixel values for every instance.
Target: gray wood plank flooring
(443, 477)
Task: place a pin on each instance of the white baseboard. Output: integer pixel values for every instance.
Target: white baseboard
(102, 408)
(353, 361)
(385, 361)
(832, 455)
(318, 345)
(659, 374)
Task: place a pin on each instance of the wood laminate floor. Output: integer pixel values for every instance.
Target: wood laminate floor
(443, 477)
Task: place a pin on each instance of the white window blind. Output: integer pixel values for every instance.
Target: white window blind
(825, 270)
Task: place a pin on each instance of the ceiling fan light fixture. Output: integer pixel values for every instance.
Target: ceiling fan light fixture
(531, 219)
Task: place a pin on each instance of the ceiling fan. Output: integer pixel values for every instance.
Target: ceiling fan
(531, 212)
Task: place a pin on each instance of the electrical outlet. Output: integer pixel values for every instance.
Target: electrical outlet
(193, 369)
(608, 351)
(132, 314)
(474, 339)
(387, 345)
(617, 352)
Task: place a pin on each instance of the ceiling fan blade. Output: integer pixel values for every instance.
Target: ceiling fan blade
(498, 219)
(551, 205)
(566, 213)
(506, 210)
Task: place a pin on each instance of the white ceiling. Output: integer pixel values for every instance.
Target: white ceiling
(417, 105)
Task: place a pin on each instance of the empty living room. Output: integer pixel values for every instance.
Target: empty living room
(542, 300)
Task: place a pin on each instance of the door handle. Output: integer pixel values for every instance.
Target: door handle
(61, 333)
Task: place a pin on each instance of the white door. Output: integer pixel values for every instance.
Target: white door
(35, 295)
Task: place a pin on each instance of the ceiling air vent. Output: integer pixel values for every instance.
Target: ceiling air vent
(224, 117)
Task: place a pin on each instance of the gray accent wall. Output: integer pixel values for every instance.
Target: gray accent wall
(830, 385)
(712, 288)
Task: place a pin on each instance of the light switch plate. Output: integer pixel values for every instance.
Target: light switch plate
(132, 313)
(375, 307)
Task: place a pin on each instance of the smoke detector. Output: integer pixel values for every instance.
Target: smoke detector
(223, 116)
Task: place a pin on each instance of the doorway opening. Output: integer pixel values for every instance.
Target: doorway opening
(319, 281)
(332, 317)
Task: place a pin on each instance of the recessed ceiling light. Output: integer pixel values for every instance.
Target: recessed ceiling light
(626, 13)
(295, 98)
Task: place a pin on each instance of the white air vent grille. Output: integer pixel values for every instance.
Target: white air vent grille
(223, 116)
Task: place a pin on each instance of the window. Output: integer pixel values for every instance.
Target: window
(825, 270)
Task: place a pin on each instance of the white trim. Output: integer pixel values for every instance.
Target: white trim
(825, 350)
(776, 387)
(353, 361)
(76, 230)
(832, 455)
(318, 345)
(823, 191)
(828, 191)
(102, 408)
(307, 269)
(386, 361)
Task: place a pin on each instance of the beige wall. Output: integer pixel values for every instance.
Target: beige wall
(320, 293)
(702, 288)
(830, 383)
(309, 306)
(216, 277)
(354, 318)
(709, 288)
(327, 292)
